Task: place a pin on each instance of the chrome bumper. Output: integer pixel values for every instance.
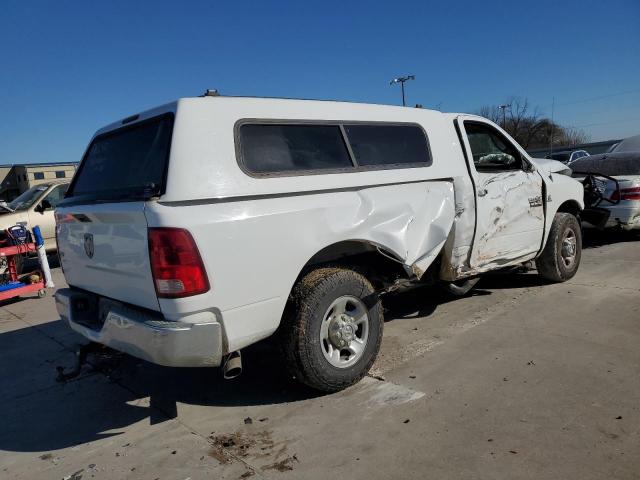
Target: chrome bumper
(172, 344)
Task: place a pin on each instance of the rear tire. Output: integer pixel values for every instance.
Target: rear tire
(561, 256)
(332, 329)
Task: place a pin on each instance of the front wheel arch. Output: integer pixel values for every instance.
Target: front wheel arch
(572, 207)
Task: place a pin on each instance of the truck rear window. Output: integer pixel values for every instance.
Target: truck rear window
(127, 163)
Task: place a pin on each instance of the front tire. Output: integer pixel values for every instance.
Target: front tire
(332, 329)
(561, 256)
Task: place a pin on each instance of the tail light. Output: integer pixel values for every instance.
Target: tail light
(176, 264)
(626, 194)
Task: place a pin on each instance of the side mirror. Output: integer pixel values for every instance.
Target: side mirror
(44, 205)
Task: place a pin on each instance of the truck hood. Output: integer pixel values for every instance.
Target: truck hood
(548, 165)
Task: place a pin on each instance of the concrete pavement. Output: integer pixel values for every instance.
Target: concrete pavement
(519, 380)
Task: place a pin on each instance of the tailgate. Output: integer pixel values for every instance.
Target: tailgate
(102, 228)
(103, 249)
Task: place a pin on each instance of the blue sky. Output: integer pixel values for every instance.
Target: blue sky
(67, 68)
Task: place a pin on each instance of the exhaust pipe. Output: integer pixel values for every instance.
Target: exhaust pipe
(232, 366)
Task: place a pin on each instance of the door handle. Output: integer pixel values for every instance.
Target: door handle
(482, 192)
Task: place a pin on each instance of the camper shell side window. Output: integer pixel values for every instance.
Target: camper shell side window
(297, 147)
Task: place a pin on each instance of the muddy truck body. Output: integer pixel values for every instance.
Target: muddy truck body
(200, 227)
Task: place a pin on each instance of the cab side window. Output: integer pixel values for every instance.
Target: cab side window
(491, 150)
(54, 197)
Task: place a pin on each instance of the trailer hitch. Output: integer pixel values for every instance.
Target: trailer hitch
(81, 359)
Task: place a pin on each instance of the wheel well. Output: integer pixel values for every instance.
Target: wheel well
(378, 264)
(572, 207)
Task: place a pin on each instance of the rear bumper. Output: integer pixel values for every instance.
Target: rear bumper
(132, 331)
(625, 218)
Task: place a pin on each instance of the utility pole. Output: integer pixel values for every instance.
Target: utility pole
(401, 81)
(553, 104)
(504, 115)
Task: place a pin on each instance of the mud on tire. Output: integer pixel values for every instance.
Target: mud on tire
(313, 332)
(560, 258)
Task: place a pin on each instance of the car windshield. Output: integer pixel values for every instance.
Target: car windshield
(27, 199)
(631, 144)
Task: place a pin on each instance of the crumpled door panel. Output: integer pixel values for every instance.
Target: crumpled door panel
(411, 220)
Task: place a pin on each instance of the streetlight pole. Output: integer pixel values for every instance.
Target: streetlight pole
(401, 81)
(553, 105)
(504, 115)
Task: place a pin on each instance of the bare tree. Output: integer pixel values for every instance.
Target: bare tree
(527, 126)
(571, 137)
(493, 113)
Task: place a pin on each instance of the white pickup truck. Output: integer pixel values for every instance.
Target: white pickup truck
(200, 227)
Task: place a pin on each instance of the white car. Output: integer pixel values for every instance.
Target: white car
(618, 195)
(200, 227)
(35, 207)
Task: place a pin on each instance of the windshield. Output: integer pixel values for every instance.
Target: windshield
(631, 144)
(127, 163)
(28, 198)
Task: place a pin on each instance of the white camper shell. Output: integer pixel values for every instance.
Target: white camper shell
(205, 225)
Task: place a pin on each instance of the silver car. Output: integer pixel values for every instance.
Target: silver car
(617, 187)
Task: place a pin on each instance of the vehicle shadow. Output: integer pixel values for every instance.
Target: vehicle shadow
(592, 238)
(420, 302)
(512, 280)
(40, 414)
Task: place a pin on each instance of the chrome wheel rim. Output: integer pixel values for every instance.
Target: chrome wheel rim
(344, 331)
(569, 248)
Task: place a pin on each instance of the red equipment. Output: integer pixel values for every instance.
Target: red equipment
(12, 287)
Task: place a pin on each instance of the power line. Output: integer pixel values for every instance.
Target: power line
(601, 97)
(604, 123)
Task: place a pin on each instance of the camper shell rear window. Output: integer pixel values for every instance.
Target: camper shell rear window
(126, 164)
(299, 147)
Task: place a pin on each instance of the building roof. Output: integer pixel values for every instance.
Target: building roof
(50, 164)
